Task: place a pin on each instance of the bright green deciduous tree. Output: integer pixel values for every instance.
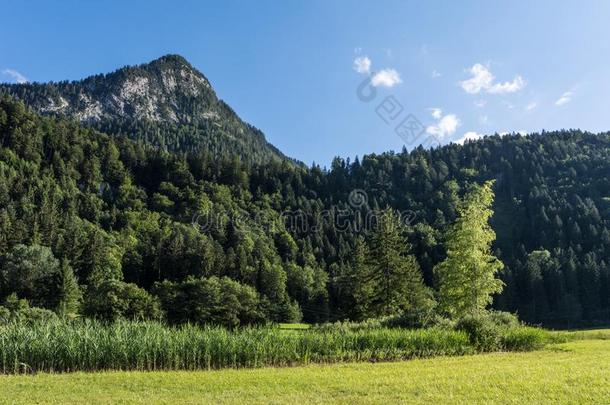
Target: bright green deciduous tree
(467, 277)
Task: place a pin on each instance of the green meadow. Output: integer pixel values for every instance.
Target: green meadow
(576, 371)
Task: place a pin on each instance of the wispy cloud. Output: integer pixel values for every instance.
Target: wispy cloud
(564, 99)
(437, 113)
(531, 106)
(508, 87)
(445, 124)
(436, 74)
(468, 136)
(18, 77)
(386, 78)
(482, 80)
(362, 64)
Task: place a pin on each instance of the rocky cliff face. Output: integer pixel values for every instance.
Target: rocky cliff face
(167, 96)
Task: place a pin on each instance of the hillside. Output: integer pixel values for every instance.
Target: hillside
(166, 103)
(155, 222)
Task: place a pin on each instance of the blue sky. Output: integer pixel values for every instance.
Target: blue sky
(288, 67)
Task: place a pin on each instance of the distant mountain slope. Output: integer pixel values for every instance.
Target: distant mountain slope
(166, 103)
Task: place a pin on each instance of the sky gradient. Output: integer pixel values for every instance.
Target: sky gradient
(293, 68)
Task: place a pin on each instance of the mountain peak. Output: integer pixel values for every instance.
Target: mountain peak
(172, 59)
(167, 92)
(168, 63)
(167, 89)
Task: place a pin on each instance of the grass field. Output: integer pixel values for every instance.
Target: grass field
(573, 372)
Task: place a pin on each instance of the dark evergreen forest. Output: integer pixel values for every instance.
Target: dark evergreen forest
(108, 226)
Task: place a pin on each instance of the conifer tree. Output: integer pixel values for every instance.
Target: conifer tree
(395, 279)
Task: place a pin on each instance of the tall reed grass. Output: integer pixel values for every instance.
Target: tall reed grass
(64, 346)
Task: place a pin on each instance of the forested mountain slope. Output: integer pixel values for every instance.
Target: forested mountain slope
(165, 103)
(183, 229)
(552, 212)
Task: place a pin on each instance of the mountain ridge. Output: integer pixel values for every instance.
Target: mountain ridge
(166, 102)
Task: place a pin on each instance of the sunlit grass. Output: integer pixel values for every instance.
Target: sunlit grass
(294, 326)
(575, 372)
(566, 336)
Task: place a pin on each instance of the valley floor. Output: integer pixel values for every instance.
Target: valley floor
(574, 372)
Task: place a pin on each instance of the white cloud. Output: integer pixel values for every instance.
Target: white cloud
(386, 78)
(435, 74)
(508, 87)
(564, 99)
(483, 120)
(437, 113)
(468, 136)
(362, 64)
(531, 106)
(18, 77)
(483, 80)
(445, 125)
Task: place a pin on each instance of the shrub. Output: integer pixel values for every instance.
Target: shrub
(34, 314)
(410, 319)
(497, 330)
(214, 300)
(31, 272)
(524, 339)
(112, 299)
(504, 319)
(441, 322)
(482, 332)
(19, 310)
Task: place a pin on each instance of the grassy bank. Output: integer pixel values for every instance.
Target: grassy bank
(146, 346)
(575, 372)
(561, 336)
